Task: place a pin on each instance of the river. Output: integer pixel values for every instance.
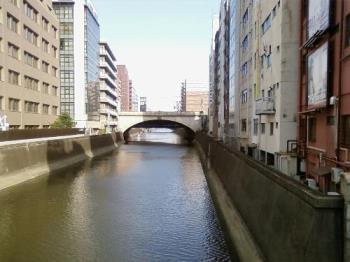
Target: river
(144, 202)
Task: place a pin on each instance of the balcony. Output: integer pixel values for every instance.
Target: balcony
(106, 88)
(107, 77)
(265, 106)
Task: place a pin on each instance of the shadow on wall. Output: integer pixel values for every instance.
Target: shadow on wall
(63, 154)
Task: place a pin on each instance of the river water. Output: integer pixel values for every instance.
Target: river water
(144, 202)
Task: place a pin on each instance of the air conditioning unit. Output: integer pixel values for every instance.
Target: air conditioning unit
(311, 183)
(335, 174)
(332, 100)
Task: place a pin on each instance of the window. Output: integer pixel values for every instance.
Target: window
(13, 50)
(347, 31)
(244, 96)
(31, 83)
(245, 43)
(54, 51)
(14, 2)
(268, 60)
(12, 23)
(244, 69)
(54, 32)
(30, 36)
(45, 45)
(244, 125)
(66, 28)
(262, 128)
(2, 73)
(54, 110)
(266, 24)
(31, 107)
(45, 67)
(255, 126)
(1, 99)
(271, 129)
(13, 104)
(54, 71)
(346, 131)
(45, 88)
(312, 129)
(274, 11)
(45, 109)
(45, 24)
(54, 90)
(245, 17)
(31, 60)
(30, 12)
(13, 77)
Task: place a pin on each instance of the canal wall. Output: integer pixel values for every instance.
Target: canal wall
(269, 214)
(25, 161)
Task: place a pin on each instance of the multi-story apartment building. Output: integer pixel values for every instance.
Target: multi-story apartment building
(143, 104)
(79, 61)
(223, 69)
(123, 76)
(243, 90)
(233, 72)
(212, 73)
(324, 95)
(276, 83)
(133, 98)
(194, 97)
(29, 86)
(109, 96)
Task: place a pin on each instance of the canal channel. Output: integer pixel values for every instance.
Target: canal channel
(145, 202)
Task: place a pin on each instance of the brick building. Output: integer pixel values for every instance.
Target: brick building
(324, 95)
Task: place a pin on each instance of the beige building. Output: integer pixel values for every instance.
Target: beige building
(29, 46)
(194, 97)
(277, 87)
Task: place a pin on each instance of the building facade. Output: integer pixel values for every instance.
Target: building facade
(79, 61)
(212, 73)
(223, 69)
(109, 93)
(133, 98)
(29, 62)
(194, 97)
(143, 104)
(324, 100)
(275, 83)
(123, 76)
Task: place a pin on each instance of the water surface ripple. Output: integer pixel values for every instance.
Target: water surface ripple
(146, 202)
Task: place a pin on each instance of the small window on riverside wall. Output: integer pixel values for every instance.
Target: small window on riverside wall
(346, 131)
(262, 128)
(244, 125)
(347, 31)
(271, 129)
(312, 129)
(256, 126)
(330, 120)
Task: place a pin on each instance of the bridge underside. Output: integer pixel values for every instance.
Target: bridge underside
(189, 133)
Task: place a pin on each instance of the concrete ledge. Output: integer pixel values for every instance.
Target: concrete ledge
(242, 240)
(22, 162)
(288, 221)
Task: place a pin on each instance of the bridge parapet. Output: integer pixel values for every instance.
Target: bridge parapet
(190, 120)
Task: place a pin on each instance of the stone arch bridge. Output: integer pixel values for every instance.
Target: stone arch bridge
(190, 121)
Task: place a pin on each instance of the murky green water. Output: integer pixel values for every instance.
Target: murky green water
(146, 202)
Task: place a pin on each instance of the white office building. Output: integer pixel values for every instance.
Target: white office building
(79, 61)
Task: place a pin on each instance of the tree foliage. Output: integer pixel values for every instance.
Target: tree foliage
(63, 121)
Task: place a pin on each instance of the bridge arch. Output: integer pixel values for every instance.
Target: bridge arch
(189, 133)
(190, 121)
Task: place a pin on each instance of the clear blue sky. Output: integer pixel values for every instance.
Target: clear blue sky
(162, 42)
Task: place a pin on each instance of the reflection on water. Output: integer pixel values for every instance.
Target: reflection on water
(143, 203)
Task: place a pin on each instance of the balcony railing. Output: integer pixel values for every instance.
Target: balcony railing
(265, 106)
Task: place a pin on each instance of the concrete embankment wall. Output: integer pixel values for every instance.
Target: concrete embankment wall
(287, 221)
(21, 162)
